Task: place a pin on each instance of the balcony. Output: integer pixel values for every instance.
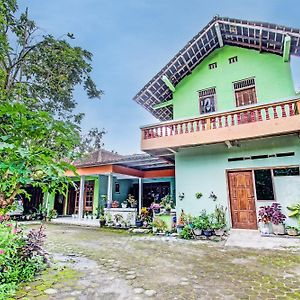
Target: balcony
(270, 119)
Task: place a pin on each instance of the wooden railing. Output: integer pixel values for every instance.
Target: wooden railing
(252, 114)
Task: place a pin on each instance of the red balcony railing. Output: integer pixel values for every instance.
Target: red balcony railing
(258, 113)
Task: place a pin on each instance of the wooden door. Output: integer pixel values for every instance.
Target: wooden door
(243, 212)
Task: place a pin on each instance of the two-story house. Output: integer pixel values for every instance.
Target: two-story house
(229, 118)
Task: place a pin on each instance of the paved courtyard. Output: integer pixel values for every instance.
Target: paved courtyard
(103, 264)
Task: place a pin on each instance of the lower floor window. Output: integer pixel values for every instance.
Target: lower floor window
(264, 184)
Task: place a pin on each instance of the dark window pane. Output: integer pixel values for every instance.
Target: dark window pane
(117, 188)
(286, 172)
(264, 185)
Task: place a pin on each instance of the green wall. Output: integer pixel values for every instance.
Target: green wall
(203, 169)
(272, 76)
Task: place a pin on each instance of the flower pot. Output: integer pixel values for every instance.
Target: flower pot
(219, 232)
(278, 228)
(168, 211)
(179, 228)
(265, 228)
(292, 231)
(145, 223)
(138, 223)
(156, 210)
(208, 232)
(124, 205)
(197, 231)
(102, 223)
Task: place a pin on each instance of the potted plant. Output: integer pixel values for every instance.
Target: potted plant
(181, 220)
(146, 221)
(118, 220)
(167, 203)
(198, 195)
(102, 221)
(264, 219)
(158, 225)
(219, 228)
(155, 207)
(198, 225)
(108, 218)
(277, 219)
(124, 204)
(139, 221)
(52, 214)
(207, 224)
(132, 201)
(292, 231)
(219, 224)
(115, 204)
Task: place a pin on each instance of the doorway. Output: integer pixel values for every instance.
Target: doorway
(242, 200)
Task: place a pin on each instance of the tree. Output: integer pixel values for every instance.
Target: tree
(39, 132)
(92, 141)
(34, 149)
(46, 68)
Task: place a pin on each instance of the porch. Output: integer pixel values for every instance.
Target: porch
(146, 178)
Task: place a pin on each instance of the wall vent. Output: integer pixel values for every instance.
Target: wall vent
(233, 59)
(263, 156)
(212, 66)
(242, 84)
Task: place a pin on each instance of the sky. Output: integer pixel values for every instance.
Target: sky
(131, 40)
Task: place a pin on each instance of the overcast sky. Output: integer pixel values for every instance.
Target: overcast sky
(132, 40)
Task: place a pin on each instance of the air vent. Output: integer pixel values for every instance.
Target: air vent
(207, 92)
(264, 156)
(233, 59)
(212, 66)
(242, 84)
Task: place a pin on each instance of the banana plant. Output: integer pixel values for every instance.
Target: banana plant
(295, 211)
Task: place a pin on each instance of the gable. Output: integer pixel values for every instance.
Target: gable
(263, 37)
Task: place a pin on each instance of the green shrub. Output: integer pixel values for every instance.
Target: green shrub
(21, 256)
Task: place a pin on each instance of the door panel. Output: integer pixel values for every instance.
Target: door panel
(243, 211)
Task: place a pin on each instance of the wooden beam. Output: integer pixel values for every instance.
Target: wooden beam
(219, 35)
(169, 84)
(163, 104)
(286, 48)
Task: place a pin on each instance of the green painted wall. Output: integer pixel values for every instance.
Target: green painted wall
(125, 187)
(272, 76)
(203, 169)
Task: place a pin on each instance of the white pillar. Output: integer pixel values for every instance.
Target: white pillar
(110, 188)
(140, 194)
(81, 198)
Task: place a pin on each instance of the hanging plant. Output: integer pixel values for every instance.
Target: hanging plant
(198, 195)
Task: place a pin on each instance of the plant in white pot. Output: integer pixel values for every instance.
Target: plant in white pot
(198, 225)
(277, 219)
(264, 219)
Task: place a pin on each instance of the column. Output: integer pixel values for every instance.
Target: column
(110, 188)
(81, 198)
(140, 194)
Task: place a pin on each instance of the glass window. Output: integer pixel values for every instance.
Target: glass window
(264, 184)
(286, 172)
(207, 100)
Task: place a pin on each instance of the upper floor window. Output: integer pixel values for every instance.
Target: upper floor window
(245, 92)
(207, 100)
(213, 66)
(233, 59)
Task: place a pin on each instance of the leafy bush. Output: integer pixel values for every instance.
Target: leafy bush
(186, 232)
(21, 256)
